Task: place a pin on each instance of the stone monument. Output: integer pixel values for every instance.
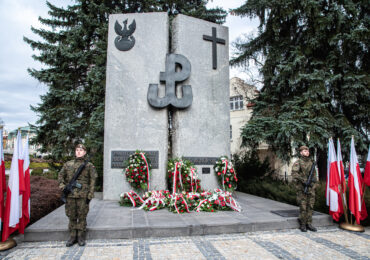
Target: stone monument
(202, 131)
(165, 101)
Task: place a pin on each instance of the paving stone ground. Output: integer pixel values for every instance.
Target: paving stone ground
(327, 243)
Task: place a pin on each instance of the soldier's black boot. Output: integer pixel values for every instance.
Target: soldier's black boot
(72, 239)
(312, 228)
(81, 238)
(303, 228)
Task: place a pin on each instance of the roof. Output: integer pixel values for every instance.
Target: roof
(24, 131)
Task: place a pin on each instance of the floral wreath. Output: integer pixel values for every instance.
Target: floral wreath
(138, 171)
(226, 174)
(182, 176)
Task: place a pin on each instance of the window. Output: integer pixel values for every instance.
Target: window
(236, 103)
(231, 132)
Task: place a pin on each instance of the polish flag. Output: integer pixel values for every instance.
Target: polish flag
(335, 202)
(356, 207)
(341, 167)
(13, 209)
(2, 178)
(27, 193)
(367, 170)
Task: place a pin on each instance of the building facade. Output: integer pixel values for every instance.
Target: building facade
(9, 142)
(241, 108)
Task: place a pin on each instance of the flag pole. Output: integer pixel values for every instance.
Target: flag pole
(352, 226)
(343, 202)
(341, 188)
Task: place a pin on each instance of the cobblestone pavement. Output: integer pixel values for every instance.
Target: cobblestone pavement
(327, 243)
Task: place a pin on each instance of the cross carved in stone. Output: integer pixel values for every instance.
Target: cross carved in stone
(214, 41)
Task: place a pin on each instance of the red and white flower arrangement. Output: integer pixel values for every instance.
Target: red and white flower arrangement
(155, 200)
(178, 203)
(226, 174)
(138, 171)
(130, 198)
(183, 176)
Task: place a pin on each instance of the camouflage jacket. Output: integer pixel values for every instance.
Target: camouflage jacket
(300, 172)
(86, 178)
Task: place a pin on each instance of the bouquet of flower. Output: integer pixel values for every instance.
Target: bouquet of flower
(225, 201)
(155, 200)
(182, 176)
(205, 205)
(130, 198)
(192, 199)
(138, 171)
(226, 174)
(178, 204)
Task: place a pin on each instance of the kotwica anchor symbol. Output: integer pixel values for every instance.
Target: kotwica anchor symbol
(170, 77)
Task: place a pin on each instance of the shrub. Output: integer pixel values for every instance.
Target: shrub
(248, 166)
(45, 197)
(37, 172)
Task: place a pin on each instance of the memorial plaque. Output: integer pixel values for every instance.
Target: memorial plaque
(206, 170)
(202, 160)
(120, 157)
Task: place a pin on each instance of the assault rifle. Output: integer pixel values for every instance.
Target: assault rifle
(73, 183)
(310, 177)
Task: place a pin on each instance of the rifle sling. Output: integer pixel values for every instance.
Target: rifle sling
(78, 173)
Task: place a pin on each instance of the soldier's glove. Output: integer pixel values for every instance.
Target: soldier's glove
(87, 201)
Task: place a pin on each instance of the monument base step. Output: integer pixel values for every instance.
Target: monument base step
(108, 220)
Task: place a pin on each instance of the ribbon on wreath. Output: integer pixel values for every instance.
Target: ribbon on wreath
(226, 162)
(147, 167)
(192, 171)
(177, 196)
(223, 173)
(197, 209)
(177, 164)
(131, 195)
(229, 200)
(156, 198)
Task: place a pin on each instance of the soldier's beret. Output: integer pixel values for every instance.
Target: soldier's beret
(81, 146)
(303, 147)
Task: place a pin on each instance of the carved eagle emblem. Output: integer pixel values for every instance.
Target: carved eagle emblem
(125, 41)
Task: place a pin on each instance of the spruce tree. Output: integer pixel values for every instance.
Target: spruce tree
(315, 69)
(73, 52)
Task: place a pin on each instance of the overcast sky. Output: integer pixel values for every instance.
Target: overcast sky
(18, 90)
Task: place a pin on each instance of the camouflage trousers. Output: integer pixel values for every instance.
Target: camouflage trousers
(76, 211)
(306, 203)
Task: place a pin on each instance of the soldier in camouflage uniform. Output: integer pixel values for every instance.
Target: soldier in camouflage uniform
(77, 202)
(300, 172)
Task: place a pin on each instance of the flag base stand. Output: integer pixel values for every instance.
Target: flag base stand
(351, 227)
(10, 243)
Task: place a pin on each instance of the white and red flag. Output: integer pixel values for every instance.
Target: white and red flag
(2, 178)
(367, 170)
(356, 206)
(13, 209)
(341, 167)
(335, 202)
(25, 219)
